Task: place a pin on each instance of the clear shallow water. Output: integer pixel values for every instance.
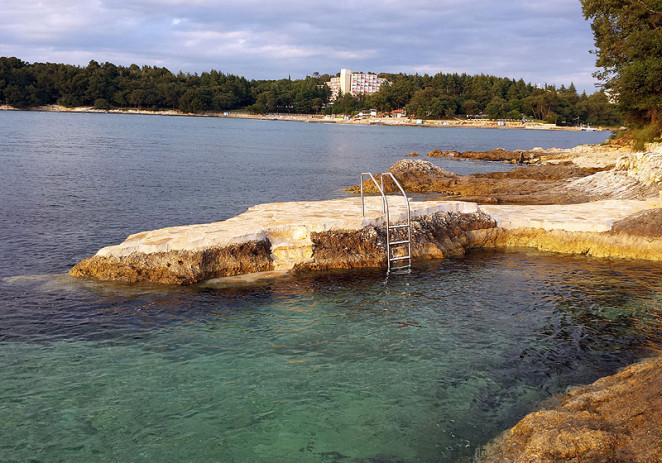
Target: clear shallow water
(333, 367)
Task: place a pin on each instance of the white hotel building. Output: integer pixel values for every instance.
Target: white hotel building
(355, 83)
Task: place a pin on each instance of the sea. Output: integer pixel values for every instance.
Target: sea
(339, 366)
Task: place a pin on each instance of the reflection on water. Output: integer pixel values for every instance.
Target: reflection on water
(340, 366)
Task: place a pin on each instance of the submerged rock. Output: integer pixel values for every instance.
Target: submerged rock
(617, 418)
(438, 153)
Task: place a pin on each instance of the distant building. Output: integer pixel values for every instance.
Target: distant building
(356, 83)
(367, 113)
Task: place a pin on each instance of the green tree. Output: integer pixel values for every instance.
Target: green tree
(347, 104)
(421, 103)
(190, 102)
(470, 107)
(498, 108)
(628, 38)
(600, 111)
(101, 103)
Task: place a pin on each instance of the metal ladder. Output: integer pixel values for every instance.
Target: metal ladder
(391, 229)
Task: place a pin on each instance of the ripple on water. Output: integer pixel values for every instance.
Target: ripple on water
(340, 366)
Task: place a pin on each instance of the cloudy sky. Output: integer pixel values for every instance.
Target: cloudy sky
(539, 41)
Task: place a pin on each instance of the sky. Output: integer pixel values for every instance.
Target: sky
(538, 41)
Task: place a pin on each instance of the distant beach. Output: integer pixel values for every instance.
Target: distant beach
(330, 119)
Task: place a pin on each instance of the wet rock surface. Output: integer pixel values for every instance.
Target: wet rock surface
(178, 267)
(616, 419)
(595, 244)
(433, 237)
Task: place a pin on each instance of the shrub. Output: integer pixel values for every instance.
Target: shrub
(646, 134)
(101, 103)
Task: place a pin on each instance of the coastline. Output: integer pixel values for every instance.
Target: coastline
(319, 119)
(592, 423)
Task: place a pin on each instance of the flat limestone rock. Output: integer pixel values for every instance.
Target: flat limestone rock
(279, 237)
(609, 228)
(320, 235)
(596, 216)
(283, 224)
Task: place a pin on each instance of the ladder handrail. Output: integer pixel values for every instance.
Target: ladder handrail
(381, 192)
(381, 177)
(386, 212)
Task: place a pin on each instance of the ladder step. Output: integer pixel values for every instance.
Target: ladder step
(393, 259)
(400, 267)
(398, 226)
(399, 242)
(403, 269)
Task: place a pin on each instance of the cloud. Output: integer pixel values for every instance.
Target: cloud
(538, 41)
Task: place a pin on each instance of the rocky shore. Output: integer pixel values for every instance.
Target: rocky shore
(297, 236)
(615, 419)
(579, 175)
(597, 201)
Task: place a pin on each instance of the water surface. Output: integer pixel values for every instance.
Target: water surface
(338, 366)
(342, 366)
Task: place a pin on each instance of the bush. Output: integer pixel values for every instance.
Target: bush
(101, 103)
(636, 138)
(551, 118)
(70, 101)
(646, 134)
(515, 115)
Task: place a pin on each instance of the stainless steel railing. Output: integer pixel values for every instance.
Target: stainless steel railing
(385, 210)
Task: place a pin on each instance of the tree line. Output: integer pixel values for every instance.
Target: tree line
(107, 86)
(628, 40)
(454, 95)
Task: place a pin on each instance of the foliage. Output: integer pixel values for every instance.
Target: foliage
(461, 95)
(101, 103)
(628, 37)
(306, 96)
(648, 133)
(106, 86)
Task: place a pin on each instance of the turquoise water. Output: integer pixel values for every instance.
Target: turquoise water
(334, 367)
(343, 366)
